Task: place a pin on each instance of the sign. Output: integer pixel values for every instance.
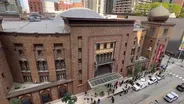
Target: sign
(159, 52)
(181, 48)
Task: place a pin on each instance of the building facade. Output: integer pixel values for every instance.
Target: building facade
(52, 63)
(36, 6)
(122, 6)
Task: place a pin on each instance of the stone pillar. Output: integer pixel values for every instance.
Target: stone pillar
(54, 92)
(36, 98)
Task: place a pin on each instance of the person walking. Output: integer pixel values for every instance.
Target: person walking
(98, 101)
(112, 100)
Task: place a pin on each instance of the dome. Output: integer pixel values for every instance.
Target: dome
(80, 13)
(158, 14)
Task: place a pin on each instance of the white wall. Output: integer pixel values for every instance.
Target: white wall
(48, 6)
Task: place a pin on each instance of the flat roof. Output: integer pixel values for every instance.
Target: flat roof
(44, 26)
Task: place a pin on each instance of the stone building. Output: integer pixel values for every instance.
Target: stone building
(72, 54)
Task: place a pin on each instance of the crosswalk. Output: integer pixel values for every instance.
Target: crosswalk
(175, 75)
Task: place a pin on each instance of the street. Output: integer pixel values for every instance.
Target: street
(174, 75)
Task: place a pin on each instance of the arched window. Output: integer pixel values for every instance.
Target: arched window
(42, 65)
(26, 100)
(59, 64)
(45, 96)
(62, 90)
(24, 64)
(98, 46)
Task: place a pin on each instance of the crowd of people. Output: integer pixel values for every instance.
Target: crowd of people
(112, 87)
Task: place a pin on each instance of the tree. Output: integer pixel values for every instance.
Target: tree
(144, 8)
(5, 3)
(15, 101)
(137, 70)
(69, 98)
(153, 68)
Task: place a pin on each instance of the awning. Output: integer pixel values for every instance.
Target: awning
(104, 79)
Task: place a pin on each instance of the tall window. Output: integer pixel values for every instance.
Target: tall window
(19, 48)
(60, 64)
(152, 31)
(98, 46)
(165, 31)
(111, 45)
(42, 65)
(24, 65)
(105, 45)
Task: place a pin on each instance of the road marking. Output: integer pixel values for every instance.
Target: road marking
(170, 73)
(176, 76)
(183, 79)
(180, 77)
(156, 97)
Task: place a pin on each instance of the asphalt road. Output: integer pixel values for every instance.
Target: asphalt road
(173, 76)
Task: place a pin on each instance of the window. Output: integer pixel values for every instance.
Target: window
(79, 37)
(39, 52)
(152, 31)
(2, 75)
(61, 76)
(98, 46)
(122, 61)
(125, 44)
(151, 40)
(137, 57)
(58, 51)
(133, 51)
(42, 65)
(134, 42)
(124, 52)
(165, 31)
(44, 78)
(60, 64)
(111, 45)
(80, 49)
(24, 65)
(105, 45)
(138, 50)
(127, 34)
(27, 78)
(21, 52)
(80, 60)
(132, 59)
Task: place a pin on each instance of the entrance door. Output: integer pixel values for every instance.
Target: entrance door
(103, 69)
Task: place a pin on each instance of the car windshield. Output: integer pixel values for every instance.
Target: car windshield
(168, 97)
(137, 84)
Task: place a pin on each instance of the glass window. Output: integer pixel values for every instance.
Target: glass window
(111, 45)
(165, 31)
(98, 46)
(152, 31)
(105, 45)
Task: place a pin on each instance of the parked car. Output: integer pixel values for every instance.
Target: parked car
(34, 17)
(140, 85)
(180, 88)
(170, 97)
(150, 82)
(162, 76)
(153, 79)
(158, 78)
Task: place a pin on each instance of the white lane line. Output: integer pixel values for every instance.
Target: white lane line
(183, 79)
(176, 76)
(180, 77)
(170, 73)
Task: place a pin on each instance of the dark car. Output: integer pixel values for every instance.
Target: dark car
(180, 88)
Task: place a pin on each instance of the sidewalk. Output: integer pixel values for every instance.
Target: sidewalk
(81, 96)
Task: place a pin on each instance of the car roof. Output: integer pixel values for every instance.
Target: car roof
(170, 95)
(173, 93)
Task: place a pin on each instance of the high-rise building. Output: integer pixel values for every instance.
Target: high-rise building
(109, 6)
(77, 4)
(24, 5)
(36, 6)
(122, 6)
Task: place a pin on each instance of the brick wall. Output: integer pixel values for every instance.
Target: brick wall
(5, 75)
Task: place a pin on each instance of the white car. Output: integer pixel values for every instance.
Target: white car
(153, 79)
(158, 78)
(140, 85)
(170, 97)
(150, 82)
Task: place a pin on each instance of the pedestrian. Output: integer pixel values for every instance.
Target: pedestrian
(113, 91)
(112, 99)
(156, 101)
(94, 102)
(98, 101)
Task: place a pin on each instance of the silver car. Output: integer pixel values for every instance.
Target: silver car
(170, 97)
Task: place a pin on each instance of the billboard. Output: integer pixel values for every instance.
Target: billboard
(159, 52)
(181, 48)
